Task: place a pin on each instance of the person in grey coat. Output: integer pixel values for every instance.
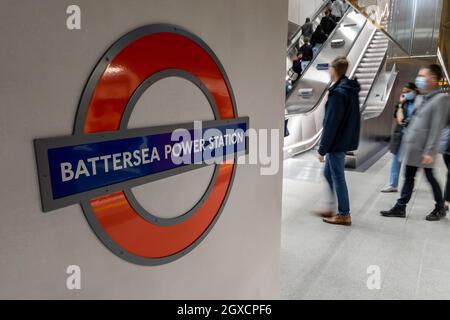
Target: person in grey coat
(337, 9)
(421, 141)
(307, 28)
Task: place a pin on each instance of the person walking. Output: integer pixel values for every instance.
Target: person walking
(403, 113)
(421, 141)
(345, 5)
(336, 9)
(307, 28)
(318, 39)
(295, 71)
(328, 22)
(341, 130)
(306, 53)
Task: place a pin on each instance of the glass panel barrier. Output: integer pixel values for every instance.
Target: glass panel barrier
(412, 25)
(373, 10)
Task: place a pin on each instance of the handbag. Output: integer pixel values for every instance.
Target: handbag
(293, 76)
(400, 115)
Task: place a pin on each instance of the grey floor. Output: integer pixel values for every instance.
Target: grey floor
(321, 261)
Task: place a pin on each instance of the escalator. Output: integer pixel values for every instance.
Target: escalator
(305, 115)
(348, 29)
(375, 98)
(366, 49)
(295, 38)
(369, 67)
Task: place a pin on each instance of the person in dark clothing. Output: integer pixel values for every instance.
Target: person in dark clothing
(403, 113)
(341, 131)
(307, 28)
(318, 36)
(445, 148)
(295, 71)
(328, 22)
(318, 39)
(306, 53)
(297, 65)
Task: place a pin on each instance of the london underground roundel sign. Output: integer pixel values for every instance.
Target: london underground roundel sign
(100, 163)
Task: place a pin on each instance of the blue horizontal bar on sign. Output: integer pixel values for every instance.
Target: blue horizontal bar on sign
(80, 167)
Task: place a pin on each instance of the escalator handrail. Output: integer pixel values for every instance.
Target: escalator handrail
(377, 76)
(386, 96)
(355, 68)
(298, 34)
(363, 52)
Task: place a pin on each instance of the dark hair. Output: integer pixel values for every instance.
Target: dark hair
(308, 20)
(436, 71)
(411, 86)
(340, 64)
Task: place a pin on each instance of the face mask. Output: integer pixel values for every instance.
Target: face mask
(421, 83)
(410, 96)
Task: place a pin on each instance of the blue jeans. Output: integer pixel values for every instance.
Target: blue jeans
(316, 49)
(335, 175)
(305, 64)
(396, 166)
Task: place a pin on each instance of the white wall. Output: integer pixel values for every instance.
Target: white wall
(299, 10)
(44, 68)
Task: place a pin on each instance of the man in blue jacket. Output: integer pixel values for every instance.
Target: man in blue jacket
(341, 130)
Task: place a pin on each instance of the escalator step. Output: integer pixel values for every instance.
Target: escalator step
(375, 55)
(366, 75)
(380, 41)
(364, 81)
(370, 64)
(367, 58)
(378, 46)
(366, 70)
(372, 60)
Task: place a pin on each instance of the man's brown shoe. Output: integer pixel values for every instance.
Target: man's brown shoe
(339, 220)
(325, 213)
